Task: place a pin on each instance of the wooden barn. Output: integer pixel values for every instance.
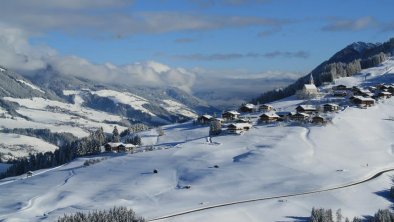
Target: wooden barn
(269, 117)
(230, 115)
(330, 107)
(238, 128)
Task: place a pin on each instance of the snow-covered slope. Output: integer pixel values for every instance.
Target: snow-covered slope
(266, 161)
(20, 146)
(59, 117)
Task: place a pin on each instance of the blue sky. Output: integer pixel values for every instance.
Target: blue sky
(252, 35)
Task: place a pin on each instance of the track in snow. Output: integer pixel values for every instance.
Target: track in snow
(374, 176)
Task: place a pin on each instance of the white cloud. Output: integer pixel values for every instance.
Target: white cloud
(351, 24)
(221, 87)
(114, 18)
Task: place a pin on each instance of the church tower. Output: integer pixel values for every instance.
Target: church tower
(311, 80)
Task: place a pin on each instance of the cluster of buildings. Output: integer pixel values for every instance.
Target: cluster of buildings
(361, 97)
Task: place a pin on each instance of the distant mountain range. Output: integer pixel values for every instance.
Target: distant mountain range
(151, 106)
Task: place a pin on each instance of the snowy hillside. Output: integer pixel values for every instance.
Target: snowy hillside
(268, 160)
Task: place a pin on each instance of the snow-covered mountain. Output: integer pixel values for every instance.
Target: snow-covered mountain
(198, 180)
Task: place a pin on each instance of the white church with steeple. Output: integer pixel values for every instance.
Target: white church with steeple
(308, 90)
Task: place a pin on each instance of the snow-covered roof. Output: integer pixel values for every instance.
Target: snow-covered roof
(302, 114)
(385, 93)
(363, 98)
(331, 104)
(307, 107)
(271, 115)
(207, 116)
(233, 112)
(249, 106)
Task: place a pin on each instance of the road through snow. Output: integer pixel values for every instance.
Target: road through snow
(368, 178)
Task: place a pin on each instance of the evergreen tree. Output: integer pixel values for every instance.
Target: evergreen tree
(115, 135)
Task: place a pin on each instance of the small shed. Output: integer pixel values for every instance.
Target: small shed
(238, 128)
(306, 109)
(330, 107)
(204, 119)
(300, 116)
(269, 117)
(247, 108)
(230, 115)
(266, 108)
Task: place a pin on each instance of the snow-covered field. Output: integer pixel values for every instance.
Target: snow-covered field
(266, 161)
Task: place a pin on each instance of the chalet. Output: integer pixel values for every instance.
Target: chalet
(306, 109)
(238, 128)
(362, 101)
(300, 116)
(318, 120)
(118, 147)
(330, 107)
(247, 108)
(266, 108)
(204, 119)
(340, 87)
(384, 95)
(269, 117)
(230, 115)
